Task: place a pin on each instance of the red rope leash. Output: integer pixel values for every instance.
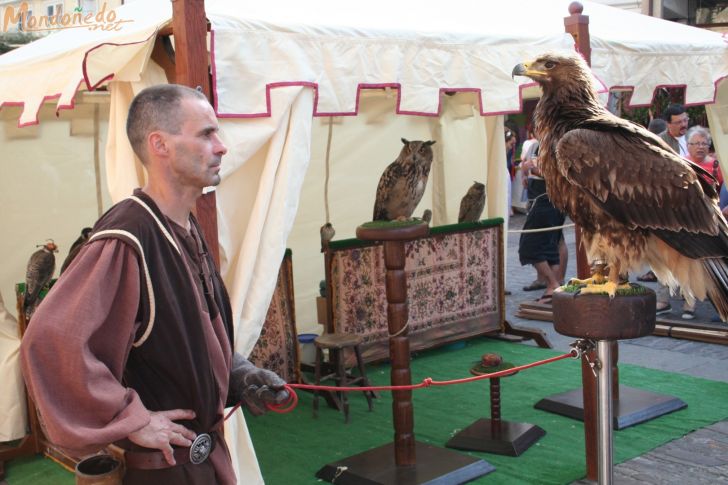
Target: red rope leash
(426, 382)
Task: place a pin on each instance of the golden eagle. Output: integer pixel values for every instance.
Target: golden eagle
(637, 202)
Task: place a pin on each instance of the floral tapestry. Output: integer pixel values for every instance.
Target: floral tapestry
(277, 346)
(452, 289)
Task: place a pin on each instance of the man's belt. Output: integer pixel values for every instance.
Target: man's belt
(197, 453)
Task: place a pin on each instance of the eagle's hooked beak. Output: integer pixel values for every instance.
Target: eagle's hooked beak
(524, 69)
(520, 69)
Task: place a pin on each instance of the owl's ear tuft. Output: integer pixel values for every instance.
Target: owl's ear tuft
(405, 141)
(431, 142)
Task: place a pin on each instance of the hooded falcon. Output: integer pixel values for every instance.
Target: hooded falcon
(637, 202)
(38, 274)
(403, 182)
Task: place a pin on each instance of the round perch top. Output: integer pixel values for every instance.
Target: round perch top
(490, 363)
(491, 360)
(575, 7)
(392, 230)
(600, 317)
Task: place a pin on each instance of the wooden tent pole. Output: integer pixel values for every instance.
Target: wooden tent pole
(97, 162)
(577, 25)
(189, 27)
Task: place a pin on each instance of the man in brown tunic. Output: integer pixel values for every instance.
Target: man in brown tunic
(133, 346)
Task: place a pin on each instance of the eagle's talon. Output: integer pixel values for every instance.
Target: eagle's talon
(609, 287)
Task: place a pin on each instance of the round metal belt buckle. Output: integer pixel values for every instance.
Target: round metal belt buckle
(200, 449)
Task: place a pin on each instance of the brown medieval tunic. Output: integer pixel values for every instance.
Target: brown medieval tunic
(100, 353)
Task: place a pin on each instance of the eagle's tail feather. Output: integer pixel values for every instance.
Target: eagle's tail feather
(717, 268)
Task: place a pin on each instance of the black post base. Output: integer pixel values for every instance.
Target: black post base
(634, 406)
(435, 466)
(512, 440)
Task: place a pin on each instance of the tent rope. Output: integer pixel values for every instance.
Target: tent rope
(541, 229)
(328, 157)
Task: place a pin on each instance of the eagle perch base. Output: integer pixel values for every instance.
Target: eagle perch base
(602, 404)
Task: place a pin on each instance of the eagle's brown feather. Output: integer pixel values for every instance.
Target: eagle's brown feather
(636, 200)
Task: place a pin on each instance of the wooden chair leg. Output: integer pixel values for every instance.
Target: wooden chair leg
(317, 377)
(341, 372)
(363, 376)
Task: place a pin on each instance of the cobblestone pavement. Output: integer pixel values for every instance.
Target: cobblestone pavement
(698, 458)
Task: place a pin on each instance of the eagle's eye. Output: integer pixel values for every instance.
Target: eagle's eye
(549, 64)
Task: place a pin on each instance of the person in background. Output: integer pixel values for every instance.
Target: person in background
(528, 149)
(657, 125)
(529, 145)
(134, 344)
(528, 171)
(699, 141)
(511, 141)
(677, 125)
(545, 250)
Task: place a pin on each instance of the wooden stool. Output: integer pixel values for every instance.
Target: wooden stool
(336, 344)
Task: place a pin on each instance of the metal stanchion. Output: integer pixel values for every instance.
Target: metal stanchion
(604, 412)
(604, 320)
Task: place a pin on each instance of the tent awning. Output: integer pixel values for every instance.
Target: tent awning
(420, 49)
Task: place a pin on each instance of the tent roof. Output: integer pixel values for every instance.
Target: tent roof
(420, 48)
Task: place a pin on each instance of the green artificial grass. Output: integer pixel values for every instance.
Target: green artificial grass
(292, 447)
(37, 471)
(415, 221)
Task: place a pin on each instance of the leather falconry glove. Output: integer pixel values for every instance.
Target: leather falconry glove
(254, 386)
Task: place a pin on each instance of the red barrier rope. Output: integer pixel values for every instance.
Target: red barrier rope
(426, 382)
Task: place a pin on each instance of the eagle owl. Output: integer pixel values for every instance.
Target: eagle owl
(472, 204)
(39, 272)
(403, 182)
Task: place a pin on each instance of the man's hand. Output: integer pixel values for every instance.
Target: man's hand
(162, 432)
(256, 387)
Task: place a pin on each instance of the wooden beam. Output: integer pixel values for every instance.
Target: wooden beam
(577, 25)
(189, 25)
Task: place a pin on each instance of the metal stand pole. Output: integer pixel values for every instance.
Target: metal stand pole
(604, 411)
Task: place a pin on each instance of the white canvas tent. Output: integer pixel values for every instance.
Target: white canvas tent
(284, 71)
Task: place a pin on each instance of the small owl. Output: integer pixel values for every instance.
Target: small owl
(38, 274)
(472, 204)
(76, 247)
(403, 182)
(327, 234)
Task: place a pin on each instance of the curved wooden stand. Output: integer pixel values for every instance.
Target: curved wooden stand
(605, 320)
(397, 463)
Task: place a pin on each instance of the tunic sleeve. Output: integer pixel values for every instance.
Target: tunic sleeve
(75, 349)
